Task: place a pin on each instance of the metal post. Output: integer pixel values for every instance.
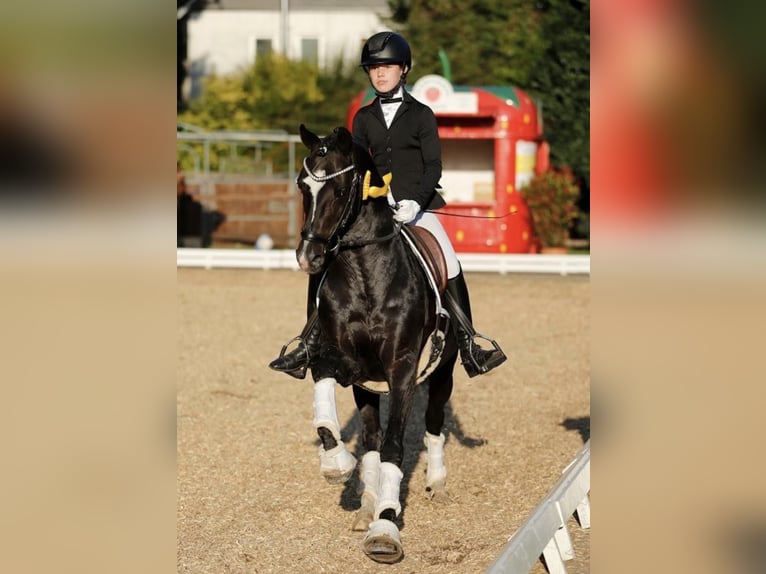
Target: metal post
(206, 189)
(284, 9)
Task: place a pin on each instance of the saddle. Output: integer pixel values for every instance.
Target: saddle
(431, 253)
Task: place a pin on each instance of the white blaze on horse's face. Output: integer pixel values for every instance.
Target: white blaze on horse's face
(314, 188)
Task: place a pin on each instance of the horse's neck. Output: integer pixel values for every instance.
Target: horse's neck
(374, 221)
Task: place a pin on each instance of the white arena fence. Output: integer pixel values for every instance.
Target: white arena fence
(482, 262)
(545, 531)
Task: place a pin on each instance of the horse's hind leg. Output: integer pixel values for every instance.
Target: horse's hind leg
(336, 463)
(439, 391)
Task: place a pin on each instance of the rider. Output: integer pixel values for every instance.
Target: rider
(402, 136)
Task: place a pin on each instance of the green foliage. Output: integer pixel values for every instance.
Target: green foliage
(274, 94)
(542, 47)
(562, 82)
(488, 42)
(552, 201)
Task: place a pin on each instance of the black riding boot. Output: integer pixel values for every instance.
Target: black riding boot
(476, 361)
(296, 362)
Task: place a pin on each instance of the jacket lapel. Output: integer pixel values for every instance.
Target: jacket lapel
(406, 99)
(378, 112)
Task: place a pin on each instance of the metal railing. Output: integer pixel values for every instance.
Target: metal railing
(545, 531)
(240, 157)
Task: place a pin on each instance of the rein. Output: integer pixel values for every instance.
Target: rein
(364, 242)
(436, 212)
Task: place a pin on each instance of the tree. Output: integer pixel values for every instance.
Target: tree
(275, 93)
(488, 42)
(562, 82)
(542, 47)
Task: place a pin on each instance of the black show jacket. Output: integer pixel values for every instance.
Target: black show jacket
(410, 149)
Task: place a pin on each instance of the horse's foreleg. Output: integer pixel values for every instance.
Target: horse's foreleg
(368, 488)
(369, 470)
(382, 542)
(336, 463)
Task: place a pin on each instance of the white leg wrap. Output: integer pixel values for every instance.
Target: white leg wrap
(436, 472)
(388, 491)
(336, 464)
(369, 475)
(325, 413)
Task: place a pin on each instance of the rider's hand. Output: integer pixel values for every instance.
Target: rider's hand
(406, 210)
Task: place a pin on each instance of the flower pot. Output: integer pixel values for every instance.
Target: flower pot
(554, 250)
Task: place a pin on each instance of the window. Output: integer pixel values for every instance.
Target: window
(310, 50)
(262, 47)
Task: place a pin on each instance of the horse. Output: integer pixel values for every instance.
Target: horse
(383, 331)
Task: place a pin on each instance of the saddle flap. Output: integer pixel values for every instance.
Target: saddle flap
(432, 253)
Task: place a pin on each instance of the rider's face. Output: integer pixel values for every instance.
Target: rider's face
(385, 77)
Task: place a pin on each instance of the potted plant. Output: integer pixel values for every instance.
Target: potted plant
(552, 201)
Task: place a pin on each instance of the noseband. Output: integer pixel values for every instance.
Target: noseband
(350, 210)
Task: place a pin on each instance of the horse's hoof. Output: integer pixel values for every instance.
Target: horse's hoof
(439, 496)
(437, 487)
(337, 464)
(382, 542)
(362, 520)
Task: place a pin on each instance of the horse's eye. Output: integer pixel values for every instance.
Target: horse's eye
(322, 151)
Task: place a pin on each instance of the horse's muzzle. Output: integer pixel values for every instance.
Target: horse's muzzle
(310, 256)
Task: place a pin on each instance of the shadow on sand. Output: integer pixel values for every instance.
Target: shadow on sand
(580, 424)
(413, 445)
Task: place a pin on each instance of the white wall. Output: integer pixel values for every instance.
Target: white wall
(223, 41)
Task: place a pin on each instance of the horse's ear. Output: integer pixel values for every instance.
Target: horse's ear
(345, 141)
(309, 138)
(363, 163)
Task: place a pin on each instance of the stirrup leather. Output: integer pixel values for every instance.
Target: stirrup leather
(465, 325)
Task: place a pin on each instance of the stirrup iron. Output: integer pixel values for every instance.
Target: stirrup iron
(299, 372)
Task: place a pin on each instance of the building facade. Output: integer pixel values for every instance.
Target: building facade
(230, 35)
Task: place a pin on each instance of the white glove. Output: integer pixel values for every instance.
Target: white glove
(406, 210)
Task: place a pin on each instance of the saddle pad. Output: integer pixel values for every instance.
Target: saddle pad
(431, 251)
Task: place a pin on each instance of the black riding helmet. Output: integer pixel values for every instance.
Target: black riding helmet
(386, 48)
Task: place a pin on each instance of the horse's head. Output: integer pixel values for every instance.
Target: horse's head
(330, 184)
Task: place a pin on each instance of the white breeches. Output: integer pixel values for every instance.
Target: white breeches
(430, 222)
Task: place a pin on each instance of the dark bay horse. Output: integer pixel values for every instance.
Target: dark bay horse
(380, 331)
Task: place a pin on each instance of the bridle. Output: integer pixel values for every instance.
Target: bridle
(334, 242)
